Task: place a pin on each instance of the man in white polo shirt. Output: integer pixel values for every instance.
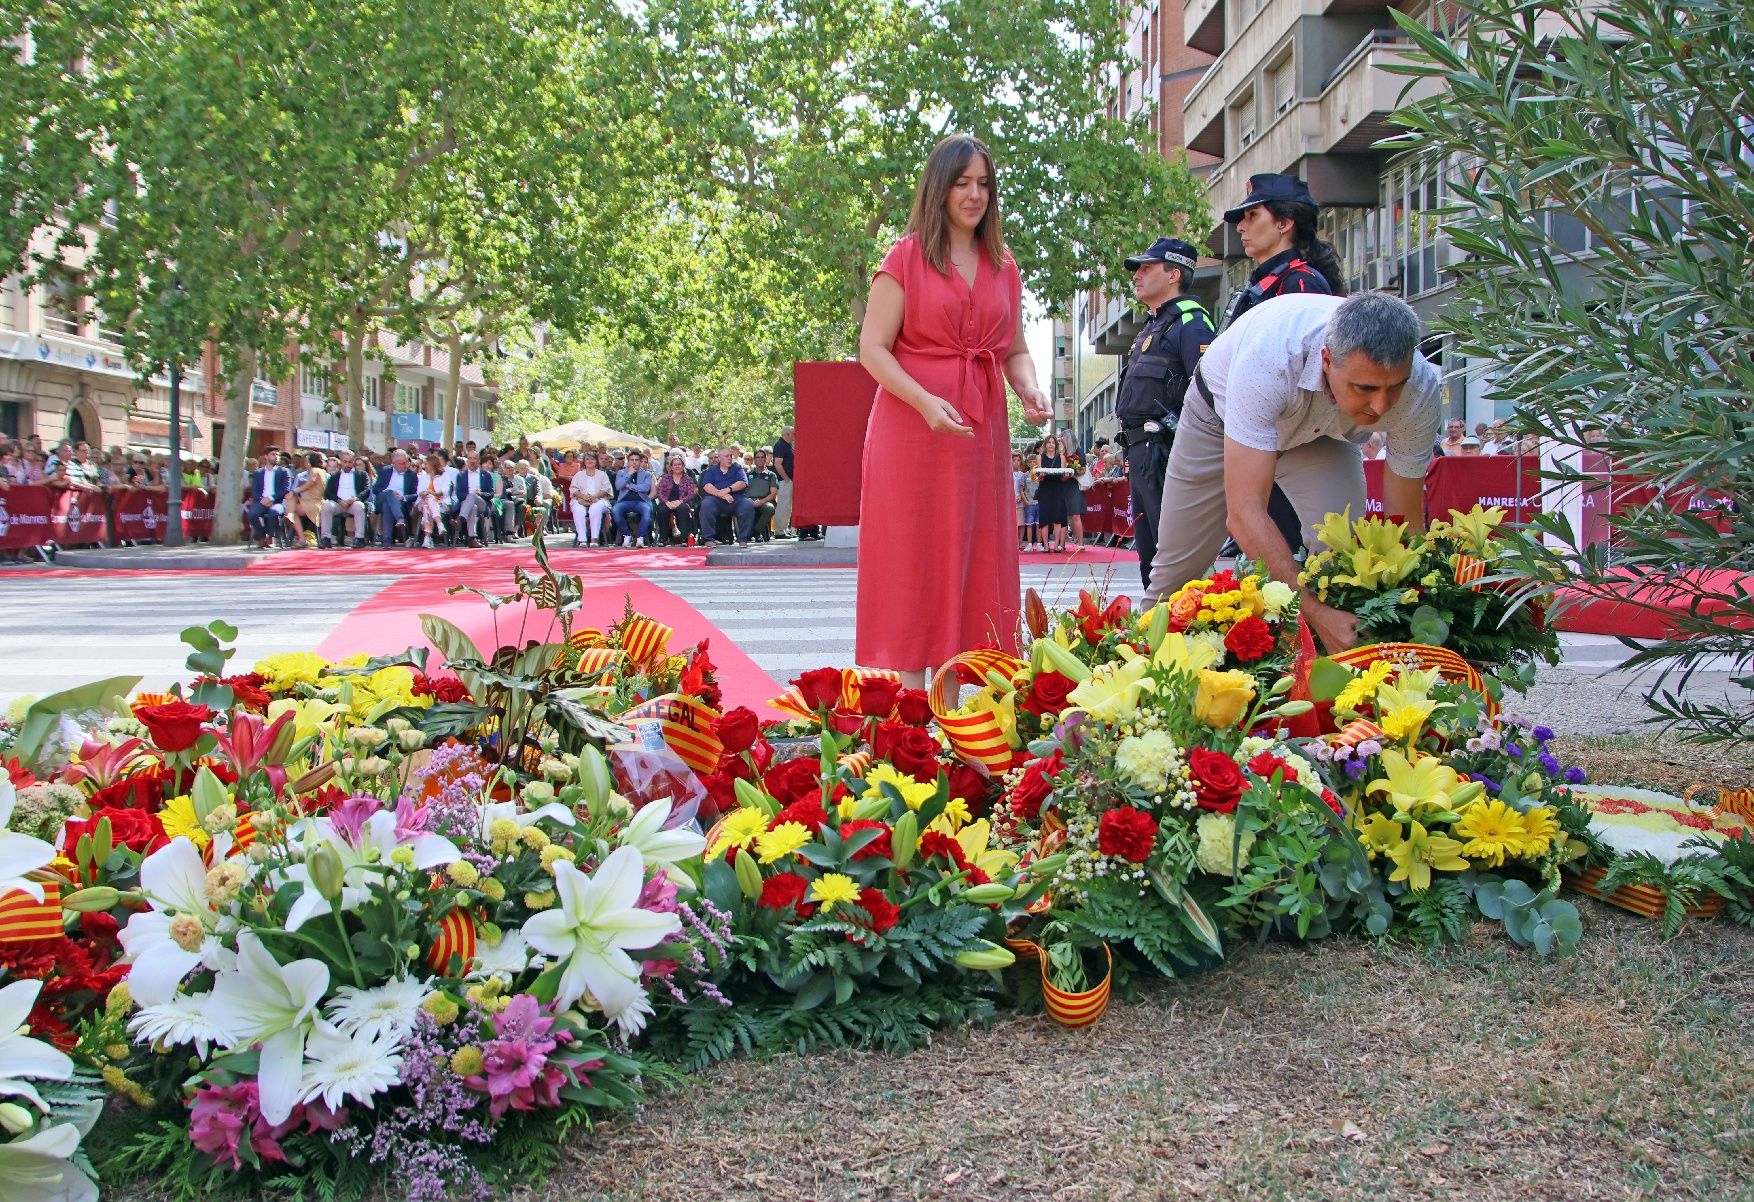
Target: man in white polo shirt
(1289, 393)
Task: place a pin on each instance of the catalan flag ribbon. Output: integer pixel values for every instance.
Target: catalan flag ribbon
(1356, 732)
(1469, 570)
(588, 636)
(456, 937)
(853, 679)
(642, 638)
(24, 918)
(977, 737)
(1419, 655)
(687, 724)
(856, 762)
(596, 659)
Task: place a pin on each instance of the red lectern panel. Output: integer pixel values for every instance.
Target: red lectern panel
(831, 403)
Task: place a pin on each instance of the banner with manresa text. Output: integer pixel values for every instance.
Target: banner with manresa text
(79, 518)
(25, 511)
(141, 515)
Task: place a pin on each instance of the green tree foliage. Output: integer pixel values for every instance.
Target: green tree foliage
(1630, 121)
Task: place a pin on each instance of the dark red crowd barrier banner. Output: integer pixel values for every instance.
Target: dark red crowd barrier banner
(1511, 482)
(26, 511)
(831, 406)
(78, 518)
(1108, 508)
(140, 515)
(197, 513)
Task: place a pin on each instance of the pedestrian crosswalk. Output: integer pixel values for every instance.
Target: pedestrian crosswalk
(56, 632)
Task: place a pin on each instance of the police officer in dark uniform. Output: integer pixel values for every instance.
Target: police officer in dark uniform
(1155, 379)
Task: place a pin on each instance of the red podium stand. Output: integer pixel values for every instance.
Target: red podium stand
(831, 404)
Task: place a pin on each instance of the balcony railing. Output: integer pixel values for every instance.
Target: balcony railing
(1360, 93)
(57, 322)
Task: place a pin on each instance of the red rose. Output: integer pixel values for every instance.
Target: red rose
(916, 753)
(880, 847)
(884, 737)
(1217, 780)
(1033, 787)
(786, 892)
(136, 830)
(173, 725)
(877, 697)
(968, 783)
(1127, 833)
(845, 722)
(1266, 763)
(737, 730)
(820, 688)
(735, 767)
(1249, 639)
(806, 812)
(913, 707)
(1048, 694)
(794, 780)
(142, 790)
(883, 912)
(721, 794)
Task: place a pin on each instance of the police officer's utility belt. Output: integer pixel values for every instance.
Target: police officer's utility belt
(1136, 436)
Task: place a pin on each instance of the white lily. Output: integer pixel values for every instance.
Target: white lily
(263, 1001)
(174, 882)
(361, 862)
(19, 854)
(659, 846)
(40, 1168)
(20, 1055)
(493, 811)
(593, 925)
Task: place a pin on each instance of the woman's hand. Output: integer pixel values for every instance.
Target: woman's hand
(942, 418)
(1036, 410)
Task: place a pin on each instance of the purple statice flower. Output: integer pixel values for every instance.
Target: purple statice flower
(1491, 740)
(1321, 752)
(1543, 734)
(1574, 776)
(1513, 751)
(1475, 746)
(1355, 769)
(1342, 753)
(1491, 785)
(1549, 763)
(350, 816)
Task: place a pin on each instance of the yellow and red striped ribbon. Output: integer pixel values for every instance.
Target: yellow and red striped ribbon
(976, 738)
(24, 918)
(596, 659)
(856, 762)
(687, 725)
(852, 680)
(643, 637)
(588, 636)
(1469, 569)
(456, 937)
(1355, 732)
(1419, 655)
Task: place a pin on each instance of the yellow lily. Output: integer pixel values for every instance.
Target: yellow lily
(1471, 530)
(1179, 653)
(1418, 785)
(973, 839)
(1417, 854)
(1112, 692)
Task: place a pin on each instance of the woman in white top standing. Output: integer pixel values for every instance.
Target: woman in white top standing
(590, 495)
(433, 497)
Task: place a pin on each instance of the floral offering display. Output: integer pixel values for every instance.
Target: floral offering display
(1431, 588)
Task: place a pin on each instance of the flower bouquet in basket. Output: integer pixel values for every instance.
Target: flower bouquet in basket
(1430, 588)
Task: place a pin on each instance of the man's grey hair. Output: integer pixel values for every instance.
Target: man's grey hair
(1383, 327)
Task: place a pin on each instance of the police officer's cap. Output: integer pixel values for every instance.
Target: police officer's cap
(1263, 188)
(1167, 250)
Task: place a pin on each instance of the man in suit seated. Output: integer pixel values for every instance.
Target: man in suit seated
(269, 485)
(345, 493)
(395, 489)
(723, 486)
(478, 488)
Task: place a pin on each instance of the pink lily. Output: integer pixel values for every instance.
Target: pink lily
(104, 763)
(250, 743)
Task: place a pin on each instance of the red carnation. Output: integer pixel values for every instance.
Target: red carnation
(439, 688)
(136, 830)
(916, 753)
(1127, 833)
(793, 780)
(937, 843)
(880, 847)
(820, 688)
(1034, 786)
(1217, 780)
(1266, 763)
(173, 725)
(806, 811)
(1049, 694)
(884, 913)
(913, 707)
(786, 892)
(737, 730)
(1249, 639)
(877, 697)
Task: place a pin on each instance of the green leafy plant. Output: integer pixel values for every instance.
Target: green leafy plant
(1687, 882)
(1541, 920)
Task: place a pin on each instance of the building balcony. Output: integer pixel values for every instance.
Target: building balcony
(1359, 95)
(1292, 144)
(1203, 25)
(1203, 112)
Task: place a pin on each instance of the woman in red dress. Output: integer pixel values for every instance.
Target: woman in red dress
(943, 333)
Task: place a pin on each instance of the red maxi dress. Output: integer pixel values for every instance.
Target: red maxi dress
(937, 522)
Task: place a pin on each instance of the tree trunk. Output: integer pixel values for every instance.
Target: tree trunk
(228, 503)
(453, 385)
(355, 337)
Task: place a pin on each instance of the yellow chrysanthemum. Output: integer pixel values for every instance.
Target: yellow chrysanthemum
(1540, 828)
(1490, 831)
(740, 830)
(1363, 687)
(832, 888)
(1420, 852)
(782, 840)
(178, 818)
(1403, 723)
(290, 668)
(954, 818)
(913, 792)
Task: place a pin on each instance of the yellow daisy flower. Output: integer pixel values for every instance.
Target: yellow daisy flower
(782, 840)
(1490, 831)
(740, 830)
(913, 792)
(832, 888)
(178, 818)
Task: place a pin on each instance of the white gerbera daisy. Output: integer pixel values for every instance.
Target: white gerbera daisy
(390, 1009)
(338, 1067)
(181, 1020)
(506, 959)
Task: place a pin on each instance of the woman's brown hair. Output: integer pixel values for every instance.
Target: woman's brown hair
(949, 159)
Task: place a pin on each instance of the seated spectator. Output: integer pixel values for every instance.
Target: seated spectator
(344, 495)
(436, 499)
(565, 470)
(723, 485)
(477, 493)
(306, 506)
(266, 489)
(764, 494)
(538, 495)
(589, 494)
(395, 492)
(512, 494)
(676, 501)
(633, 500)
(1470, 447)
